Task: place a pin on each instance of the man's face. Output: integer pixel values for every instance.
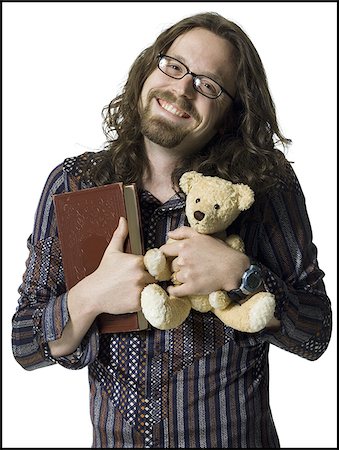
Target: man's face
(173, 113)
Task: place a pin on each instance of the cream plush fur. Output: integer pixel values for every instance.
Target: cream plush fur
(212, 204)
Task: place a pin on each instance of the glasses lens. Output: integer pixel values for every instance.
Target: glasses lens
(172, 67)
(175, 69)
(207, 87)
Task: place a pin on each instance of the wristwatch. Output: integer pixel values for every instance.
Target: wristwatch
(251, 281)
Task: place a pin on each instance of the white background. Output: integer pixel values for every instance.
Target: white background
(62, 62)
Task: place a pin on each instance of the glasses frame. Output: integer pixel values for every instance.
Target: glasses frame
(194, 77)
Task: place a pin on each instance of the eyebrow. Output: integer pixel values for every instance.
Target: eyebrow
(214, 76)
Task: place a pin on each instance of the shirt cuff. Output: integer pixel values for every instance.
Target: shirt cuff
(276, 286)
(54, 320)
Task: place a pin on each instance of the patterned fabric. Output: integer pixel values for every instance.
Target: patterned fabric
(203, 384)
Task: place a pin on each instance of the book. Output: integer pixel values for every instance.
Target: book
(86, 221)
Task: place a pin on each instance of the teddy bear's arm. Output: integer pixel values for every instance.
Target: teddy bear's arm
(157, 264)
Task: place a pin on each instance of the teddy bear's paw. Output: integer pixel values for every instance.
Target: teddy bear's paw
(157, 265)
(200, 303)
(218, 300)
(236, 242)
(262, 311)
(161, 311)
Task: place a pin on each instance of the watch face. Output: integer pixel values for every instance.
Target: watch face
(253, 281)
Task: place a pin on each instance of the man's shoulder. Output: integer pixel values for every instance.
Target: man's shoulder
(288, 180)
(80, 169)
(286, 185)
(78, 165)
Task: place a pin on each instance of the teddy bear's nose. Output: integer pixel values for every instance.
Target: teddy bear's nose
(199, 215)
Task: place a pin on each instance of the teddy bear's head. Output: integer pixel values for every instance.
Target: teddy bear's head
(213, 203)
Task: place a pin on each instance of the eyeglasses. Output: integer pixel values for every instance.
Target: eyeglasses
(204, 85)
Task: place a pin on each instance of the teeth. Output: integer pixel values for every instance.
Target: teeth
(170, 108)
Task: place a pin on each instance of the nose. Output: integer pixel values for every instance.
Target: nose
(199, 215)
(184, 86)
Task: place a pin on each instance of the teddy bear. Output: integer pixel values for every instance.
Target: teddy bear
(212, 204)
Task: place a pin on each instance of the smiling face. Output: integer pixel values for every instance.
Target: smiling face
(172, 112)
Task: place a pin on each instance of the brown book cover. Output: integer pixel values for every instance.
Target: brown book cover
(86, 221)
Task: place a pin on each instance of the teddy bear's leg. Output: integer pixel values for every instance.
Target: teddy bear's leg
(218, 299)
(157, 265)
(251, 316)
(161, 310)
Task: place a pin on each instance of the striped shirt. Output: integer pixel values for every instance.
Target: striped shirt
(202, 384)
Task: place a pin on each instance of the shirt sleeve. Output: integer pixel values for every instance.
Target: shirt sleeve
(288, 258)
(42, 312)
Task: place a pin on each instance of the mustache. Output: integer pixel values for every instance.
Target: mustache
(182, 102)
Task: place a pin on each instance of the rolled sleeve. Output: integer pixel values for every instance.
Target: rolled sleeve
(278, 236)
(53, 321)
(288, 259)
(55, 318)
(42, 312)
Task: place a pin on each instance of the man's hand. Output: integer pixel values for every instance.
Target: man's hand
(116, 285)
(202, 263)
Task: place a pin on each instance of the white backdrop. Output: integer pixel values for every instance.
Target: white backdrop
(62, 62)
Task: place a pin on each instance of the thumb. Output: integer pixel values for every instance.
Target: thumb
(119, 236)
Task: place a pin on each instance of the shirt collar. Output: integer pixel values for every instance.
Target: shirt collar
(177, 201)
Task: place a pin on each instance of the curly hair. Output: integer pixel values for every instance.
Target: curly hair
(246, 152)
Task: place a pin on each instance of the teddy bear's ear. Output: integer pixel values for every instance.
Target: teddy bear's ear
(187, 179)
(245, 196)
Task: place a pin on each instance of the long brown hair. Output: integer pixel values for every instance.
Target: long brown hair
(246, 152)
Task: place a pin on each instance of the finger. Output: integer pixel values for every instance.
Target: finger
(182, 233)
(179, 291)
(119, 236)
(171, 249)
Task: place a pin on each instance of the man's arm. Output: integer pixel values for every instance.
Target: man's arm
(282, 245)
(42, 310)
(120, 276)
(53, 325)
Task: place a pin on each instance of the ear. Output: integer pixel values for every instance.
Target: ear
(245, 196)
(187, 179)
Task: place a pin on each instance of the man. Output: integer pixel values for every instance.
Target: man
(197, 99)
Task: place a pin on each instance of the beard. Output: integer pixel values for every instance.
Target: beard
(161, 131)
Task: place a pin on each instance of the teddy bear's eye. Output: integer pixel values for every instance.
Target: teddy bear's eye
(197, 200)
(216, 206)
